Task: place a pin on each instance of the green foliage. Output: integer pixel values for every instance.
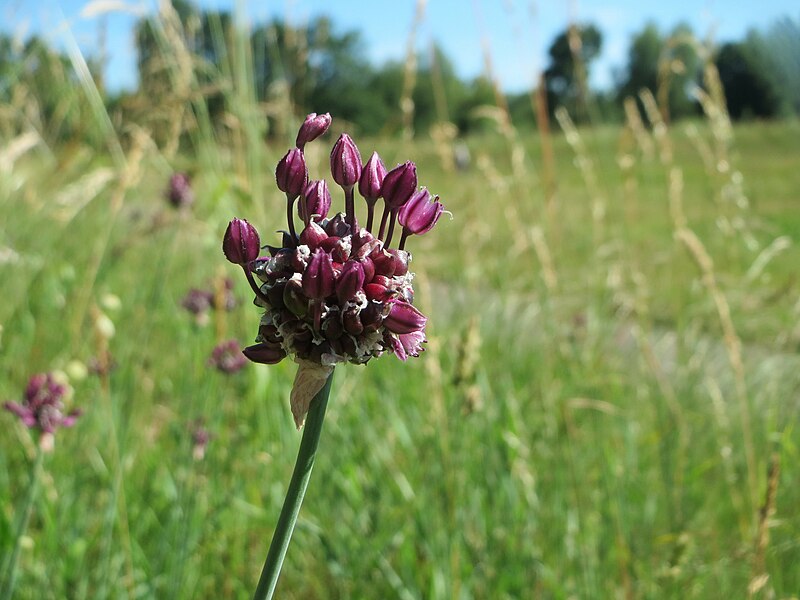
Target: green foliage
(567, 75)
(748, 91)
(667, 66)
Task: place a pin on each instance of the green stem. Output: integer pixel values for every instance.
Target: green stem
(10, 571)
(294, 495)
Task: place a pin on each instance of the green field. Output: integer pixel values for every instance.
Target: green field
(613, 371)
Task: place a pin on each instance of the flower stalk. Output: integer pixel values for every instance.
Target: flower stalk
(10, 569)
(294, 495)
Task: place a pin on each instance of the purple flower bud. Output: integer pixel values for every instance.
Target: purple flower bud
(399, 184)
(377, 292)
(345, 162)
(318, 200)
(401, 259)
(404, 318)
(241, 243)
(420, 213)
(265, 353)
(291, 173)
(372, 177)
(313, 127)
(384, 262)
(180, 192)
(372, 316)
(313, 235)
(350, 281)
(352, 321)
(318, 278)
(332, 328)
(294, 299)
(337, 226)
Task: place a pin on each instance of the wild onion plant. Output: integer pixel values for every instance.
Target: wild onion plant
(42, 411)
(335, 292)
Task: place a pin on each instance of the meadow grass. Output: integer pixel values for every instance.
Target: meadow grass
(577, 435)
(607, 408)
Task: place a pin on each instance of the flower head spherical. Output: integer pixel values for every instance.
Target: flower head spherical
(337, 292)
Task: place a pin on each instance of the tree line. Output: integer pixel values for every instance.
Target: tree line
(316, 67)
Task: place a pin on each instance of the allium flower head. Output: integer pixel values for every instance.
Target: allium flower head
(43, 405)
(227, 357)
(337, 292)
(179, 192)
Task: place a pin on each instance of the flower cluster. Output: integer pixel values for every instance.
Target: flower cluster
(337, 292)
(43, 405)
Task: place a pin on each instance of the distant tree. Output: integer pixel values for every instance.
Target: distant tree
(776, 53)
(641, 71)
(667, 66)
(567, 75)
(748, 90)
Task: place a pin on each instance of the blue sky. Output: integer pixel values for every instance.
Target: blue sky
(516, 32)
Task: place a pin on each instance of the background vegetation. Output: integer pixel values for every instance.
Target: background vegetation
(609, 402)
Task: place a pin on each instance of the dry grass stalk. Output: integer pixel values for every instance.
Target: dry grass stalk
(633, 119)
(586, 166)
(545, 258)
(539, 97)
(765, 514)
(733, 346)
(410, 73)
(654, 115)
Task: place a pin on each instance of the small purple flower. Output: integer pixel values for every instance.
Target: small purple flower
(241, 244)
(419, 214)
(200, 439)
(179, 192)
(345, 162)
(404, 318)
(313, 127)
(43, 405)
(227, 357)
(407, 344)
(291, 174)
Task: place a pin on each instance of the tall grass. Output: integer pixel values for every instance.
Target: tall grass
(608, 406)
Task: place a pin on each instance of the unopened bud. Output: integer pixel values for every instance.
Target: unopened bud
(345, 162)
(241, 243)
(313, 127)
